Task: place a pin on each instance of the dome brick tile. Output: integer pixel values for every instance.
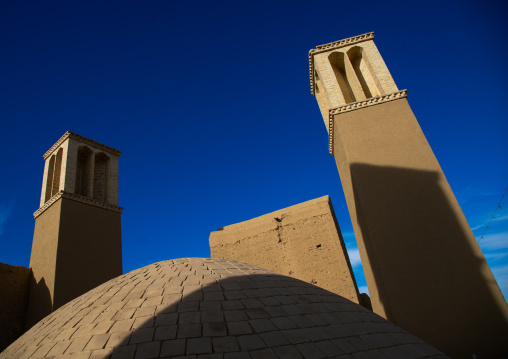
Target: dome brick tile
(213, 308)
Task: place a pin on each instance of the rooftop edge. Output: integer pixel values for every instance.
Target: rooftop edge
(83, 139)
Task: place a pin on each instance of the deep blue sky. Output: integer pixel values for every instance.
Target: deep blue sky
(210, 104)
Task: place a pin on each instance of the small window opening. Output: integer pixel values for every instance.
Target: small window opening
(56, 175)
(83, 172)
(337, 60)
(49, 180)
(53, 179)
(100, 177)
(362, 71)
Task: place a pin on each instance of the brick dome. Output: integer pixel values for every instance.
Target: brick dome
(212, 308)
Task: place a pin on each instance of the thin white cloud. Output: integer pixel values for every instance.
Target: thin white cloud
(354, 257)
(495, 255)
(5, 211)
(501, 218)
(350, 240)
(466, 194)
(348, 234)
(363, 289)
(479, 226)
(494, 242)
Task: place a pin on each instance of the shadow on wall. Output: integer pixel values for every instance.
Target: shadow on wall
(427, 265)
(40, 291)
(215, 307)
(14, 286)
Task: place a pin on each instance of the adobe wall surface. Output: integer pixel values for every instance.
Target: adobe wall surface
(89, 251)
(303, 241)
(424, 268)
(76, 247)
(13, 301)
(43, 264)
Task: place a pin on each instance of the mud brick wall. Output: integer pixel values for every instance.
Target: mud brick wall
(303, 241)
(13, 300)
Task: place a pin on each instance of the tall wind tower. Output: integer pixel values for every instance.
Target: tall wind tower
(77, 237)
(423, 266)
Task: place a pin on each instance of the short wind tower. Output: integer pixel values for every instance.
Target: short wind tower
(77, 237)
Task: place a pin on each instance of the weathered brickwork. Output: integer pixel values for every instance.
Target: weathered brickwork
(321, 98)
(103, 179)
(303, 241)
(14, 283)
(63, 176)
(212, 308)
(100, 176)
(378, 76)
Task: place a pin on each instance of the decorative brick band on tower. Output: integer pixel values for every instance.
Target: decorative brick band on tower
(77, 237)
(424, 268)
(303, 241)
